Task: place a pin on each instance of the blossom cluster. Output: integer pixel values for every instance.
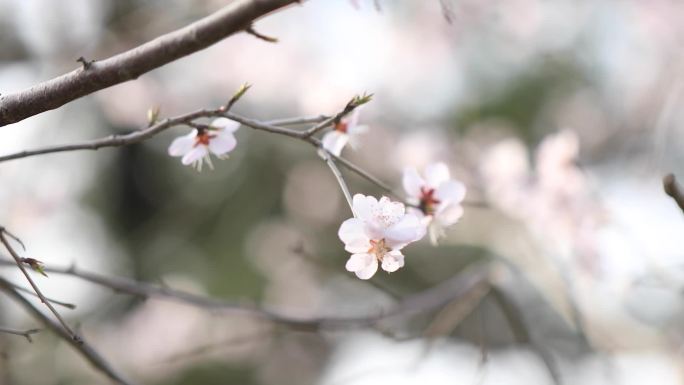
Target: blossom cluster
(380, 228)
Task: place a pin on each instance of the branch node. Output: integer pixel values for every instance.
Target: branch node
(85, 63)
(250, 30)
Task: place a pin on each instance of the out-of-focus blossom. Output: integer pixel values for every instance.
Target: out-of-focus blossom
(553, 198)
(197, 146)
(345, 131)
(377, 234)
(437, 196)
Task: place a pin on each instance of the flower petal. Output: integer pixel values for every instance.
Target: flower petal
(392, 261)
(449, 214)
(334, 142)
(183, 144)
(436, 174)
(355, 134)
(387, 213)
(364, 206)
(352, 233)
(194, 155)
(359, 261)
(368, 271)
(412, 182)
(451, 191)
(409, 229)
(222, 143)
(225, 125)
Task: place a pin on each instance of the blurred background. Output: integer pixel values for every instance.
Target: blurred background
(561, 116)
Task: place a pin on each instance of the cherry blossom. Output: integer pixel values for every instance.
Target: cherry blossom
(196, 147)
(345, 131)
(437, 197)
(377, 234)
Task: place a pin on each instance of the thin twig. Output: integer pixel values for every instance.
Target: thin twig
(250, 30)
(338, 175)
(81, 346)
(67, 305)
(40, 295)
(24, 333)
(673, 189)
(421, 302)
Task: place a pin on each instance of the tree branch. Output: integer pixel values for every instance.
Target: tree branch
(81, 346)
(673, 189)
(24, 333)
(18, 261)
(236, 16)
(430, 299)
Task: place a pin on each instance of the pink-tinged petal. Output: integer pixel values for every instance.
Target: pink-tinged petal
(359, 261)
(387, 213)
(194, 155)
(368, 271)
(364, 206)
(182, 145)
(225, 125)
(436, 174)
(436, 231)
(392, 261)
(451, 191)
(354, 118)
(222, 143)
(408, 229)
(352, 233)
(334, 142)
(412, 182)
(449, 214)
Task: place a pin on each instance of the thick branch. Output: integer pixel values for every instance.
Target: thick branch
(81, 346)
(673, 189)
(54, 93)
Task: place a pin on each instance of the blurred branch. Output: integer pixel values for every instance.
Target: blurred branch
(19, 262)
(326, 155)
(81, 345)
(430, 299)
(674, 190)
(250, 30)
(129, 65)
(29, 292)
(24, 333)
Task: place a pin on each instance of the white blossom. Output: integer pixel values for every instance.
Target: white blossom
(437, 197)
(345, 131)
(196, 147)
(377, 234)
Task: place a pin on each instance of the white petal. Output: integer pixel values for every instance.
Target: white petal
(368, 271)
(436, 174)
(364, 206)
(194, 155)
(451, 191)
(392, 261)
(449, 214)
(408, 229)
(356, 134)
(387, 213)
(182, 145)
(412, 182)
(352, 233)
(359, 261)
(334, 142)
(222, 143)
(225, 125)
(354, 118)
(436, 232)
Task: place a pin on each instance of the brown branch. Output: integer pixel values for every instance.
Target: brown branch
(250, 30)
(427, 300)
(81, 346)
(674, 190)
(129, 65)
(24, 333)
(18, 261)
(67, 305)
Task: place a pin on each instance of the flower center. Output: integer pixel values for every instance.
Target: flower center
(342, 126)
(203, 138)
(428, 200)
(379, 249)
